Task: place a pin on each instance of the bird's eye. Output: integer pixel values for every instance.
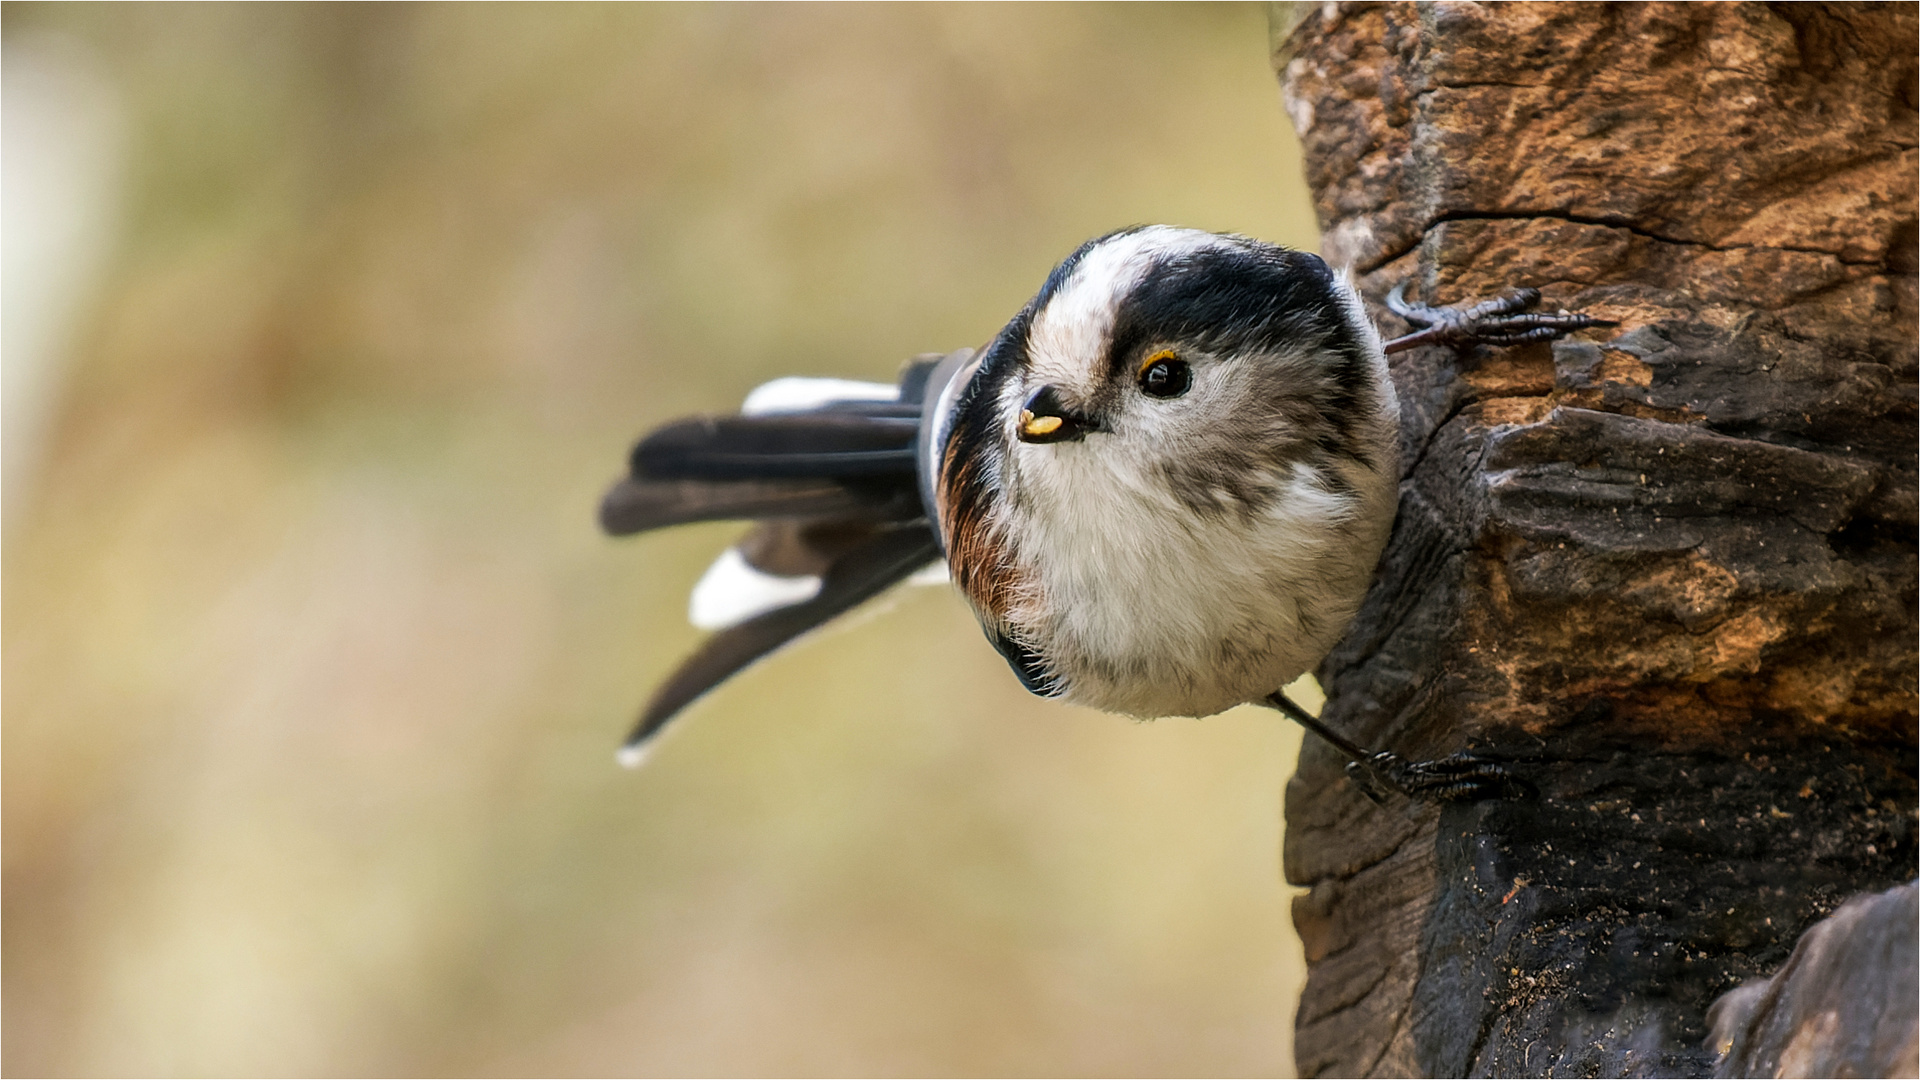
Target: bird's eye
(1164, 375)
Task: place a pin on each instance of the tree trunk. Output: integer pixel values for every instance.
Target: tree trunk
(1667, 570)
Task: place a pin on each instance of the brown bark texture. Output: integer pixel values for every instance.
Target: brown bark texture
(1667, 569)
(1817, 1015)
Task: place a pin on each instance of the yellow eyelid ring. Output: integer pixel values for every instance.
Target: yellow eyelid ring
(1156, 357)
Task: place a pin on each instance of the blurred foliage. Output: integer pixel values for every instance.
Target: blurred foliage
(314, 661)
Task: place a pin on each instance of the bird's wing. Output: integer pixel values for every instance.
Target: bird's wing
(847, 460)
(823, 445)
(776, 564)
(826, 467)
(637, 504)
(859, 573)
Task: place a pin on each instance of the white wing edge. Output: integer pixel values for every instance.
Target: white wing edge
(733, 591)
(798, 394)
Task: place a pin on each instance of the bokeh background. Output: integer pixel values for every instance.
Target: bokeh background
(324, 329)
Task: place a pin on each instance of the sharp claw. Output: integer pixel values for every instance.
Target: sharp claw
(1501, 320)
(1414, 312)
(1518, 300)
(1375, 773)
(1457, 778)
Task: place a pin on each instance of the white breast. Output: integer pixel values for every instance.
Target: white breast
(1148, 609)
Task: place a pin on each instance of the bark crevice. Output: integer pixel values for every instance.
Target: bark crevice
(1666, 569)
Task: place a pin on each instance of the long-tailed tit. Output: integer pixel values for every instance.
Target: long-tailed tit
(1162, 487)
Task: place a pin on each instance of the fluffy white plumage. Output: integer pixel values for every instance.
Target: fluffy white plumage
(1071, 334)
(1137, 603)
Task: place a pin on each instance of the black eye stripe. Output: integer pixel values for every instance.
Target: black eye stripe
(1239, 296)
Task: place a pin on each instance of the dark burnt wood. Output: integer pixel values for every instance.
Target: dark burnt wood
(1668, 570)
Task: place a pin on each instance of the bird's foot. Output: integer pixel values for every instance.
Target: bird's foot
(1462, 777)
(1501, 320)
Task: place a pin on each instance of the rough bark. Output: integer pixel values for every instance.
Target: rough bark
(1845, 1004)
(1668, 569)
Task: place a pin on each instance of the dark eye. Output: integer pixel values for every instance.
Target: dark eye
(1165, 376)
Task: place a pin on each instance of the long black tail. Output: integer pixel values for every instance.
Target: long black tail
(832, 482)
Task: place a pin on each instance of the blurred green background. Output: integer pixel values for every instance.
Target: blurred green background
(326, 326)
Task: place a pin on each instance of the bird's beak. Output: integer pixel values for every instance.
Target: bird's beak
(1046, 419)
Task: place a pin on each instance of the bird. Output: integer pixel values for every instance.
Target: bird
(1162, 487)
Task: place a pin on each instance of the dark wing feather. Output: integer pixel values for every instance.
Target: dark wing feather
(814, 445)
(849, 461)
(858, 575)
(789, 548)
(635, 505)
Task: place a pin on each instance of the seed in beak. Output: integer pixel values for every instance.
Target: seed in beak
(1047, 419)
(1038, 427)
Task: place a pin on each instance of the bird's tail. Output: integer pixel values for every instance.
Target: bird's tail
(827, 468)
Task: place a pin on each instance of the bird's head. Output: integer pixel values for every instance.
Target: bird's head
(1168, 372)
